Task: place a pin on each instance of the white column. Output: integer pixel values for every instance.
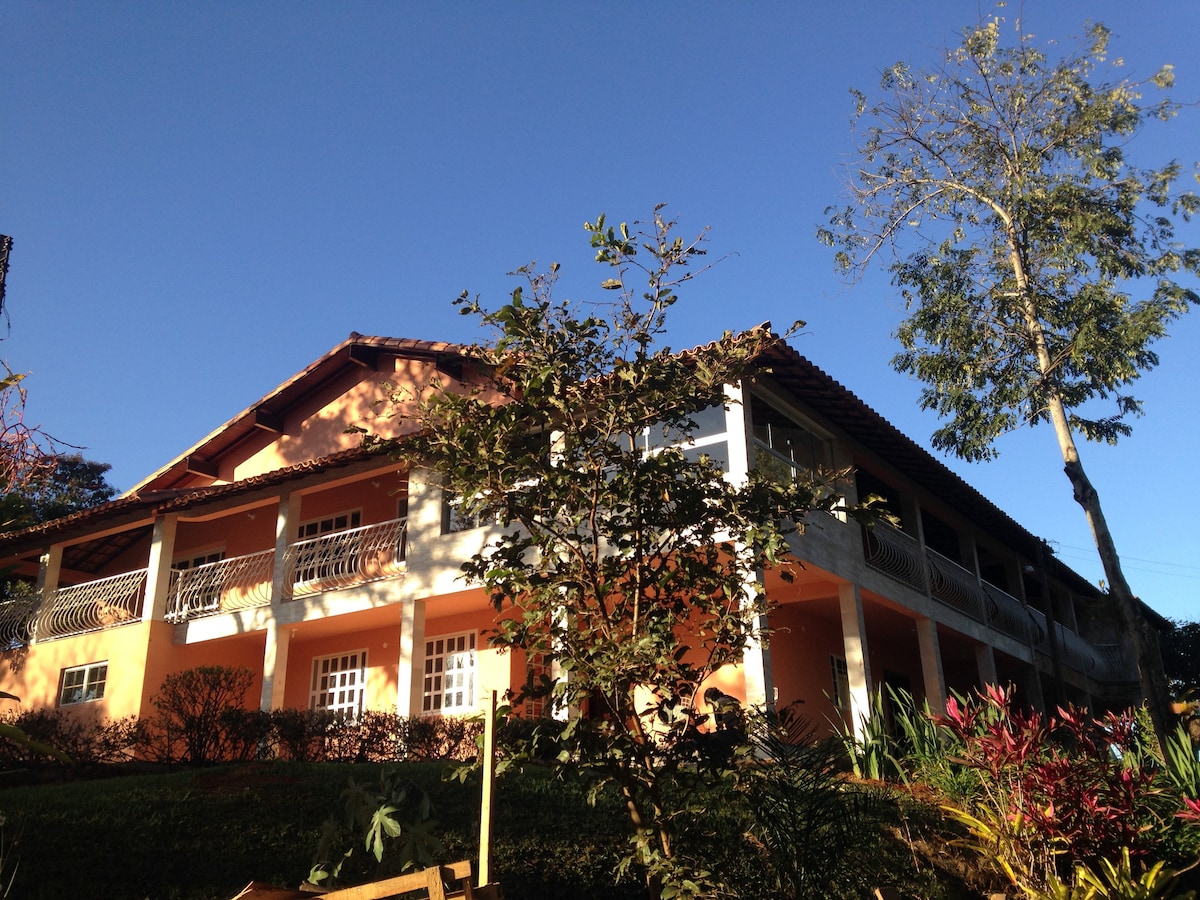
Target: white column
(756, 662)
(158, 573)
(289, 508)
(275, 663)
(49, 569)
(737, 433)
(931, 665)
(854, 639)
(985, 662)
(410, 675)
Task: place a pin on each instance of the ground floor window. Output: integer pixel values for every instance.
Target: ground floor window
(83, 683)
(841, 682)
(449, 674)
(338, 682)
(538, 674)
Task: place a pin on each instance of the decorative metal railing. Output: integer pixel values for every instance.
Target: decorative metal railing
(1113, 663)
(892, 552)
(240, 582)
(16, 621)
(345, 558)
(953, 586)
(1008, 614)
(1074, 651)
(92, 606)
(898, 555)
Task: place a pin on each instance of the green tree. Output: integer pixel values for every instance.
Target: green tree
(1019, 234)
(69, 485)
(624, 560)
(1181, 659)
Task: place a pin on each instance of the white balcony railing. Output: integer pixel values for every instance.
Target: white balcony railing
(92, 606)
(16, 618)
(345, 558)
(241, 582)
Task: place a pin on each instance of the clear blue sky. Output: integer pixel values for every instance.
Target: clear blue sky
(205, 197)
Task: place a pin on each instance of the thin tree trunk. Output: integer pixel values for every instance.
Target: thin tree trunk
(1145, 643)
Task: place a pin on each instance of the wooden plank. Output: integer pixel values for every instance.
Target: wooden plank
(429, 879)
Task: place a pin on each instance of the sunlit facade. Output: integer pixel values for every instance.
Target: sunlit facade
(278, 544)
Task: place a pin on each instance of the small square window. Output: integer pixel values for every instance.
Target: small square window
(81, 684)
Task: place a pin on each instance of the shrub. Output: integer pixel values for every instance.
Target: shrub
(394, 822)
(299, 734)
(193, 722)
(84, 741)
(809, 821)
(1054, 793)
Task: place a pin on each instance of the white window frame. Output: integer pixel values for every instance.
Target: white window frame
(840, 674)
(448, 684)
(87, 687)
(454, 522)
(339, 682)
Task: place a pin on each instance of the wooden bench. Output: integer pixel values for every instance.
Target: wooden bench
(431, 880)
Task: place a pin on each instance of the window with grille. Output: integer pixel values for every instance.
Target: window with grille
(454, 519)
(841, 682)
(538, 676)
(449, 674)
(320, 559)
(338, 682)
(79, 684)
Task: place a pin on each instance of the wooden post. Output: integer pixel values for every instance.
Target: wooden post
(485, 807)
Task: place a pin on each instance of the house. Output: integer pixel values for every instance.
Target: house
(332, 572)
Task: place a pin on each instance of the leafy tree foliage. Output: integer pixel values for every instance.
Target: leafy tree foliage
(625, 562)
(1181, 658)
(69, 485)
(1039, 265)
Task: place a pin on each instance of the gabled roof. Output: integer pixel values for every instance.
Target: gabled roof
(268, 412)
(160, 493)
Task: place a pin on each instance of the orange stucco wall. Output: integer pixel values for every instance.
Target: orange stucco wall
(34, 673)
(383, 663)
(800, 649)
(317, 427)
(238, 533)
(379, 497)
(168, 658)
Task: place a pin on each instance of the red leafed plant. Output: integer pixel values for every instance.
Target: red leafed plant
(1053, 792)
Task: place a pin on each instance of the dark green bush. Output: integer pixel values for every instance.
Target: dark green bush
(85, 741)
(193, 723)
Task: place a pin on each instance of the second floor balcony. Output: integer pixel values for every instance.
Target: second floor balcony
(902, 557)
(333, 561)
